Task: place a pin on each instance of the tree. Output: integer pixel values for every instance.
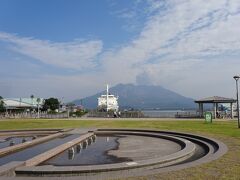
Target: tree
(2, 108)
(38, 100)
(51, 103)
(32, 96)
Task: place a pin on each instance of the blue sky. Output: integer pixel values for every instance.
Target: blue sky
(71, 49)
(61, 20)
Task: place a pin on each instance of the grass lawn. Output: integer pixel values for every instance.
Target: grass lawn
(227, 167)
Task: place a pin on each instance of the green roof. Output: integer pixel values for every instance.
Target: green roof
(30, 101)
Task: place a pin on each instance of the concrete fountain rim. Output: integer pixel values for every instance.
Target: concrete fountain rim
(188, 150)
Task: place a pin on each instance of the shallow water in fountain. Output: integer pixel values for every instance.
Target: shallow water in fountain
(37, 149)
(16, 140)
(95, 153)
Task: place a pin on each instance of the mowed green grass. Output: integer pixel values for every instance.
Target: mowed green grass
(228, 128)
(226, 167)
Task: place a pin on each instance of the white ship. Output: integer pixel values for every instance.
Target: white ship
(108, 102)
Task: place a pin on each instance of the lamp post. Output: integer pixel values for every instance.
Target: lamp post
(236, 79)
(38, 101)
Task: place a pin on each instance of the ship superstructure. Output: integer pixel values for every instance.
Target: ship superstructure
(108, 102)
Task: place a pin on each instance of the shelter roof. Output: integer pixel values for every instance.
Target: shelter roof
(216, 99)
(21, 102)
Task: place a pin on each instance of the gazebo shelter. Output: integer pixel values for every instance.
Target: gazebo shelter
(215, 100)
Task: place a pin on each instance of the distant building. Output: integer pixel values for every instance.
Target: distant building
(62, 107)
(74, 108)
(108, 102)
(22, 103)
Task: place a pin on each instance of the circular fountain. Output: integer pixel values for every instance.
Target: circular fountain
(111, 152)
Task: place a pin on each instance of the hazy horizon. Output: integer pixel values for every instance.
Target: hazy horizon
(72, 49)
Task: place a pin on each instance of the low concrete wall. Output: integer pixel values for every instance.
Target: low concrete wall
(27, 133)
(127, 114)
(31, 130)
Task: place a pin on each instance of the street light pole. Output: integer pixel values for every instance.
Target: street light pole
(38, 110)
(38, 101)
(237, 78)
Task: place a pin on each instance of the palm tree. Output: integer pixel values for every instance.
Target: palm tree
(32, 96)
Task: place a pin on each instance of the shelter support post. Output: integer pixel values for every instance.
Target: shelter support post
(200, 109)
(214, 110)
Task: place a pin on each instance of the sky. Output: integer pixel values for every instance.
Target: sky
(71, 49)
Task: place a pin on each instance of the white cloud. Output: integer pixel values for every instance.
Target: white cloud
(75, 55)
(187, 34)
(183, 45)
